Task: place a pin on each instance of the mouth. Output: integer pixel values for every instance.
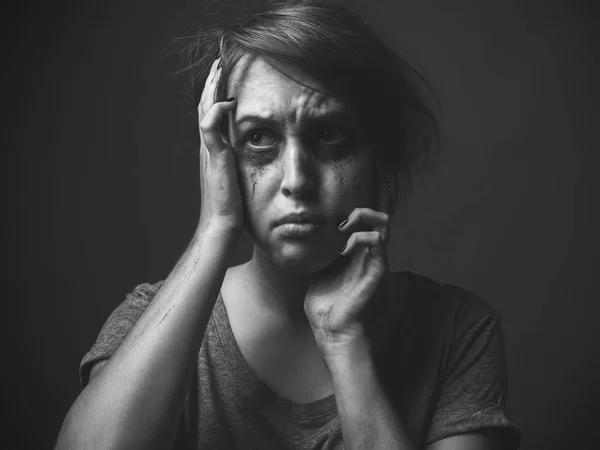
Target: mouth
(298, 230)
(300, 218)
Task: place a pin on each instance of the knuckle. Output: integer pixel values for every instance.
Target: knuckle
(219, 108)
(202, 107)
(358, 213)
(204, 124)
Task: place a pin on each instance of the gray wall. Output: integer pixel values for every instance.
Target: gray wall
(101, 179)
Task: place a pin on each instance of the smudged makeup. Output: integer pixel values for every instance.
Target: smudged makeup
(331, 138)
(297, 148)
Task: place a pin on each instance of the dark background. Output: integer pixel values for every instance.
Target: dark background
(101, 187)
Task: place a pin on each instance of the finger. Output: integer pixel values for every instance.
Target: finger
(208, 81)
(371, 240)
(210, 126)
(361, 218)
(215, 66)
(208, 93)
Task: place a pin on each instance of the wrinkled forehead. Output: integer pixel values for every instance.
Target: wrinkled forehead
(260, 85)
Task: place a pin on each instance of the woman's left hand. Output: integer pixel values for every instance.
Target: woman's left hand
(339, 298)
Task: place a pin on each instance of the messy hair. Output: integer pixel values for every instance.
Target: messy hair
(341, 50)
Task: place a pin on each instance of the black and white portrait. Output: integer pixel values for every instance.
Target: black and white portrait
(301, 224)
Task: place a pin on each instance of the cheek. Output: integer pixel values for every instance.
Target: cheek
(354, 178)
(249, 178)
(255, 183)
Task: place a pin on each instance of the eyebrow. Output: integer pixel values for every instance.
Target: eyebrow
(333, 114)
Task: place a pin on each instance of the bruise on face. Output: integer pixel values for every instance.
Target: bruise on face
(340, 169)
(256, 173)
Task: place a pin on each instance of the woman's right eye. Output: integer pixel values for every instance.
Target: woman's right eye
(261, 139)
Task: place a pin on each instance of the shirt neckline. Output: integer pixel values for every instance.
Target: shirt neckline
(267, 398)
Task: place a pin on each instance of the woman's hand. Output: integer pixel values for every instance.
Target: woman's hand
(221, 201)
(340, 298)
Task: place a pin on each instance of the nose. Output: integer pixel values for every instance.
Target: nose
(299, 171)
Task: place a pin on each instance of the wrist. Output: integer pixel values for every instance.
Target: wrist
(344, 355)
(220, 230)
(218, 238)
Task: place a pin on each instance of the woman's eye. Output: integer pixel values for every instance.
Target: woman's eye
(261, 138)
(332, 136)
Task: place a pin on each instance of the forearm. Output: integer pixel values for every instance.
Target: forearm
(367, 417)
(136, 399)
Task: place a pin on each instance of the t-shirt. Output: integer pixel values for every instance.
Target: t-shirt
(443, 368)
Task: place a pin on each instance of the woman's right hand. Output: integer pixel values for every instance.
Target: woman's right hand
(221, 202)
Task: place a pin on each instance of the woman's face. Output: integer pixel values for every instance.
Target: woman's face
(297, 150)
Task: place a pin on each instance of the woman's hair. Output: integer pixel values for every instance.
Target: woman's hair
(339, 49)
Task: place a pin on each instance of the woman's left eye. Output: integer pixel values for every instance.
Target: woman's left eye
(332, 136)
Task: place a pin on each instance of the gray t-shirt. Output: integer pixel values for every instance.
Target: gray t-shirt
(444, 369)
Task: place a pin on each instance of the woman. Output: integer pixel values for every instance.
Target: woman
(308, 124)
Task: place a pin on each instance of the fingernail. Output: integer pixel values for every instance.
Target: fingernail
(343, 248)
(230, 99)
(343, 223)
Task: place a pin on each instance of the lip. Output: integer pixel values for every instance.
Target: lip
(298, 229)
(300, 218)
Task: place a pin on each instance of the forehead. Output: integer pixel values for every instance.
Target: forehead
(261, 89)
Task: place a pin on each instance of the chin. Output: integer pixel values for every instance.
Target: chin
(302, 266)
(301, 256)
(302, 261)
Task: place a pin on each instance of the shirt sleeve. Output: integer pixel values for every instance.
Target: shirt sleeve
(472, 395)
(116, 327)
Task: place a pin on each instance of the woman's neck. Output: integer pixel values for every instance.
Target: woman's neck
(275, 289)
